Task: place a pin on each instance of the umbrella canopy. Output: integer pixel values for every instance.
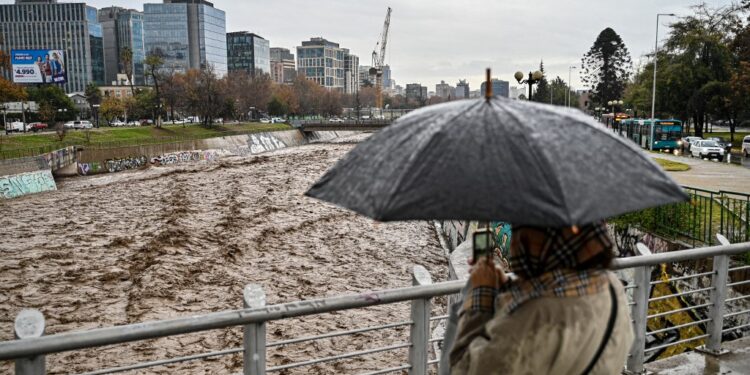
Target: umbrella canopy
(497, 159)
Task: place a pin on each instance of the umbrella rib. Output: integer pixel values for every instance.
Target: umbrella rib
(397, 186)
(545, 161)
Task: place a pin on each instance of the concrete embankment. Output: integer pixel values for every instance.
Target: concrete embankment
(34, 174)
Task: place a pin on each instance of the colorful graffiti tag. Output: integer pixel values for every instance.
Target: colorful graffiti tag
(502, 231)
(60, 158)
(184, 157)
(26, 183)
(90, 168)
(133, 162)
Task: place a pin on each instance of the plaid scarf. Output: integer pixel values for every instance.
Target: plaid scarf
(548, 262)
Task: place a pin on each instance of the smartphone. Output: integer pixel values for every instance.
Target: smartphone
(482, 244)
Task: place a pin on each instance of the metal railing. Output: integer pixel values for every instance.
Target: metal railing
(29, 350)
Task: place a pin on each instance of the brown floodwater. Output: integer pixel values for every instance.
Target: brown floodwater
(175, 241)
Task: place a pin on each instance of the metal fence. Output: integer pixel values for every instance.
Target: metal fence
(706, 214)
(30, 349)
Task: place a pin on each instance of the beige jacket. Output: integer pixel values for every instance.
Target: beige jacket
(547, 336)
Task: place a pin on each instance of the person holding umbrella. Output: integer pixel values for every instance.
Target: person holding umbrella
(563, 313)
(562, 174)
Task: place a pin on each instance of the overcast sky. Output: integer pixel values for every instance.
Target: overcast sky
(433, 40)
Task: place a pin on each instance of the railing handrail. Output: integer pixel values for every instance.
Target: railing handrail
(154, 329)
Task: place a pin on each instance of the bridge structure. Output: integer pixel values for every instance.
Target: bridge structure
(343, 125)
(421, 338)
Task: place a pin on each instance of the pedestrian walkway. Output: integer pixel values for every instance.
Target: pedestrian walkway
(710, 175)
(737, 361)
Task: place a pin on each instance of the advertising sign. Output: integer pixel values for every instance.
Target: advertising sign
(38, 66)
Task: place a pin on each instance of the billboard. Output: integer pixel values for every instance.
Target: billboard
(38, 66)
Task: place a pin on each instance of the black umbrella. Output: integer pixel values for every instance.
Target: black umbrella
(497, 159)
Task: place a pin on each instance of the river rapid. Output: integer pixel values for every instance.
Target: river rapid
(181, 240)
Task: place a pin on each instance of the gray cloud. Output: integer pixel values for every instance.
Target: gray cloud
(433, 40)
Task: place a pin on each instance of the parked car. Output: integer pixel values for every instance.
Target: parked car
(724, 144)
(265, 120)
(85, 124)
(69, 125)
(117, 123)
(277, 120)
(36, 126)
(746, 146)
(707, 149)
(134, 123)
(15, 126)
(335, 119)
(686, 142)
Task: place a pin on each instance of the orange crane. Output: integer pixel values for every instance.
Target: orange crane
(378, 58)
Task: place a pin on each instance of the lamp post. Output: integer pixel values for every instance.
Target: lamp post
(570, 86)
(533, 78)
(5, 121)
(614, 104)
(96, 113)
(656, 58)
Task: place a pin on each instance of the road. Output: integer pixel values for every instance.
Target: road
(175, 241)
(711, 175)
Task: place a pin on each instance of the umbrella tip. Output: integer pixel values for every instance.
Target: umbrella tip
(488, 86)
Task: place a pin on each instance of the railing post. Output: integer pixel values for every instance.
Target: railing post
(420, 327)
(639, 312)
(29, 323)
(718, 295)
(254, 335)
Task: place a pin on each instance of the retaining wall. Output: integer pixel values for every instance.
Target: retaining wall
(91, 161)
(26, 183)
(55, 160)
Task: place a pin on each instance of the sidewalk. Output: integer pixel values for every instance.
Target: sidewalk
(737, 361)
(710, 175)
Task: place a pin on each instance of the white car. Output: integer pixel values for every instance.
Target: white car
(335, 119)
(707, 149)
(15, 126)
(276, 120)
(117, 123)
(265, 120)
(134, 123)
(746, 146)
(69, 125)
(85, 124)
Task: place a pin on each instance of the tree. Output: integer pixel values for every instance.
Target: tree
(606, 67)
(10, 92)
(154, 62)
(173, 87)
(111, 109)
(55, 97)
(93, 96)
(126, 56)
(542, 88)
(206, 94)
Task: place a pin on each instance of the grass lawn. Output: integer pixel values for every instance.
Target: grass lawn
(105, 136)
(672, 166)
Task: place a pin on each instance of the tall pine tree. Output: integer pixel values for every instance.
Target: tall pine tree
(542, 87)
(606, 68)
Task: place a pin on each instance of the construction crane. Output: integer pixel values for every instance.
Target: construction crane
(378, 58)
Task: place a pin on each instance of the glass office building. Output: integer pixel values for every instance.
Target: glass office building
(323, 62)
(45, 24)
(248, 52)
(122, 28)
(499, 88)
(188, 34)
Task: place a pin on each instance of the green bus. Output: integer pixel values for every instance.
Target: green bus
(662, 135)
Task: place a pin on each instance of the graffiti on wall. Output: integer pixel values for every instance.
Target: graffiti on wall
(26, 183)
(502, 231)
(257, 143)
(184, 157)
(90, 168)
(60, 158)
(117, 165)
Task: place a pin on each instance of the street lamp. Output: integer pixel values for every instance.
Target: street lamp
(570, 86)
(533, 78)
(614, 104)
(96, 113)
(656, 58)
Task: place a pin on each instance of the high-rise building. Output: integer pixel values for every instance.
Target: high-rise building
(322, 61)
(444, 90)
(188, 34)
(351, 73)
(364, 76)
(122, 28)
(499, 88)
(47, 25)
(282, 65)
(248, 52)
(387, 81)
(415, 91)
(462, 89)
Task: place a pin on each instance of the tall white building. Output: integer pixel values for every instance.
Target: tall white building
(324, 62)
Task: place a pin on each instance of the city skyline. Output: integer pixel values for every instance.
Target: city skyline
(483, 34)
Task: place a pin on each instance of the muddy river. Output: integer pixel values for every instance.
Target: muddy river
(180, 240)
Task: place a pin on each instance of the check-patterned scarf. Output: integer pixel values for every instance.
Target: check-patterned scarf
(548, 262)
